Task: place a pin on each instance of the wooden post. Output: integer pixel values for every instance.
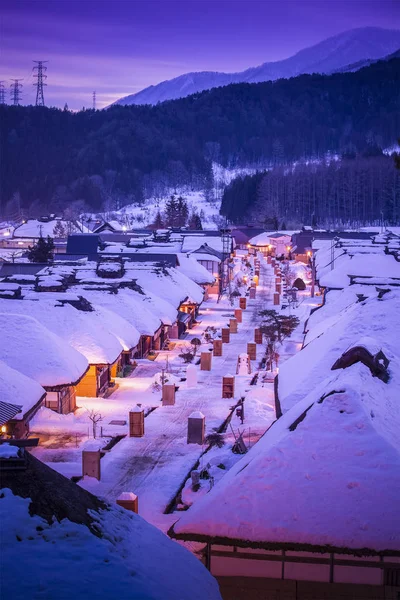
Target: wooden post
(136, 422)
(258, 336)
(205, 361)
(238, 315)
(91, 463)
(233, 325)
(168, 394)
(252, 293)
(255, 279)
(196, 428)
(217, 347)
(252, 350)
(278, 288)
(226, 335)
(276, 299)
(243, 303)
(129, 501)
(278, 279)
(228, 386)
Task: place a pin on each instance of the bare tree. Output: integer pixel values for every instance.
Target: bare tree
(95, 417)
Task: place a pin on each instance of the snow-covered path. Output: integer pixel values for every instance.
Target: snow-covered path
(155, 466)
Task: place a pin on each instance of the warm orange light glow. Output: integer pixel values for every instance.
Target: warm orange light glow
(3, 429)
(308, 253)
(288, 248)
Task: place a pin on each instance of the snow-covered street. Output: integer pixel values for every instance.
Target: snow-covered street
(155, 466)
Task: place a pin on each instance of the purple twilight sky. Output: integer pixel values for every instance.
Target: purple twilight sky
(118, 47)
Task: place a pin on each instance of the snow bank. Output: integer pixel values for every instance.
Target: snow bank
(131, 559)
(7, 451)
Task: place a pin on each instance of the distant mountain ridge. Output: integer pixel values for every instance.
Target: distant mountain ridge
(342, 52)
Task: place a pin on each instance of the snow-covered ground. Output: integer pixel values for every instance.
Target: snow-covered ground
(140, 215)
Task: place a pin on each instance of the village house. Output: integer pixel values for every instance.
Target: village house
(57, 367)
(20, 399)
(96, 334)
(300, 513)
(194, 270)
(272, 244)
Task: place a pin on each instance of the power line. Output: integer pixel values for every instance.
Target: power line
(40, 77)
(15, 91)
(94, 100)
(2, 93)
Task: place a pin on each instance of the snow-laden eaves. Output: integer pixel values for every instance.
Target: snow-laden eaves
(17, 389)
(29, 347)
(313, 482)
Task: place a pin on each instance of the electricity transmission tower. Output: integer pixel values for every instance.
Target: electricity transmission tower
(40, 76)
(15, 91)
(2, 93)
(94, 100)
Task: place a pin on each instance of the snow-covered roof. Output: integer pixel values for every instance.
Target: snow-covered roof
(367, 265)
(332, 337)
(189, 266)
(168, 282)
(17, 389)
(193, 242)
(27, 346)
(36, 229)
(129, 558)
(313, 480)
(87, 332)
(128, 305)
(265, 238)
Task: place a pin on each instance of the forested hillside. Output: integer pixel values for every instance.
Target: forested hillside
(356, 190)
(52, 158)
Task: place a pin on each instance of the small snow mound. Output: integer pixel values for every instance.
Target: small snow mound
(8, 451)
(196, 415)
(127, 496)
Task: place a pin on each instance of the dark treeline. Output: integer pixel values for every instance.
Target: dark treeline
(52, 158)
(353, 190)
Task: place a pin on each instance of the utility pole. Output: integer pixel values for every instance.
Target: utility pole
(16, 91)
(2, 93)
(311, 257)
(40, 76)
(94, 100)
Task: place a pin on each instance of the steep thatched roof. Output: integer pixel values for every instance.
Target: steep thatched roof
(53, 495)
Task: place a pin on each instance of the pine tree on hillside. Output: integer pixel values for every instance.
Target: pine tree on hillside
(171, 212)
(42, 251)
(182, 212)
(195, 222)
(158, 222)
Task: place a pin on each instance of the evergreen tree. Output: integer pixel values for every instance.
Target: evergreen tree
(171, 212)
(182, 212)
(195, 222)
(42, 251)
(158, 222)
(59, 230)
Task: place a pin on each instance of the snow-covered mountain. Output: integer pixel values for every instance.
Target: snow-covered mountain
(333, 54)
